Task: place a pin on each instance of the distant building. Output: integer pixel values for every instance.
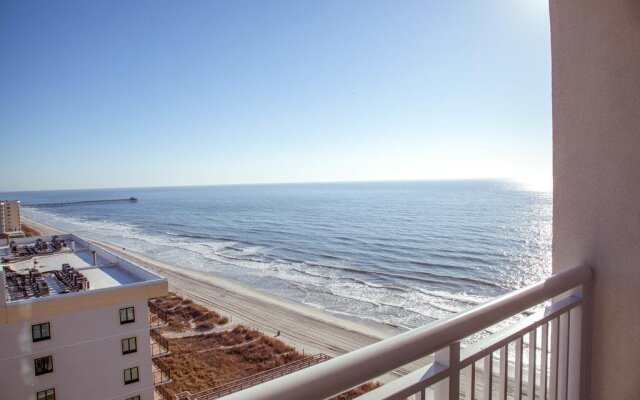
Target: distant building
(10, 216)
(75, 323)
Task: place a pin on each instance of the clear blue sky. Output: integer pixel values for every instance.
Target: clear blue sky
(156, 93)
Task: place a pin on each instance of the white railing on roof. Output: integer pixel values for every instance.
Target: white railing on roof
(546, 348)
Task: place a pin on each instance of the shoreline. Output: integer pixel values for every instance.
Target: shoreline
(308, 329)
(382, 332)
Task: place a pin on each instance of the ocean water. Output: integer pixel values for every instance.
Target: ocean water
(399, 253)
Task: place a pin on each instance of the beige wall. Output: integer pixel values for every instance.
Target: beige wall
(87, 359)
(596, 153)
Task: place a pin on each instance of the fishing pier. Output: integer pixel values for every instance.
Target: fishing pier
(81, 203)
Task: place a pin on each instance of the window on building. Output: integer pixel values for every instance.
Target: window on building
(134, 398)
(131, 375)
(49, 394)
(129, 345)
(43, 365)
(40, 332)
(127, 315)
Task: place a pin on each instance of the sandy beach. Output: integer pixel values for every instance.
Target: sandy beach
(308, 329)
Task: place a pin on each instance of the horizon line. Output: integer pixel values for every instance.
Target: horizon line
(515, 180)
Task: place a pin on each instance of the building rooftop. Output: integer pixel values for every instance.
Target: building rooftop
(46, 266)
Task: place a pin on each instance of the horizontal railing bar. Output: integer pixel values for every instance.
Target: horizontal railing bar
(478, 350)
(409, 384)
(350, 370)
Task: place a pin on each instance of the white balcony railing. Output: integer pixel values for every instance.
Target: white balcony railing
(546, 348)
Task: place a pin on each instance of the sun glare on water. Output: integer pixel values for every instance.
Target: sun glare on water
(536, 183)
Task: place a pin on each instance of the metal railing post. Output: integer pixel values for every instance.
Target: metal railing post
(563, 357)
(575, 361)
(449, 389)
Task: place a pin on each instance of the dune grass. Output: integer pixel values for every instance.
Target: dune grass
(211, 359)
(204, 361)
(183, 314)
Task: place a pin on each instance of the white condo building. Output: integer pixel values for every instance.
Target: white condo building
(75, 323)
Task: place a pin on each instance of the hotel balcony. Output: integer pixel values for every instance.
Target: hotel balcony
(538, 355)
(157, 317)
(161, 372)
(159, 344)
(161, 393)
